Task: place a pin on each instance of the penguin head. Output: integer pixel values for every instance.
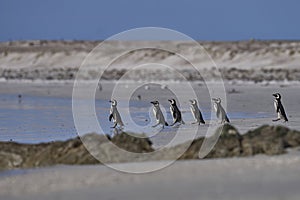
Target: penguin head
(113, 102)
(193, 101)
(155, 103)
(172, 101)
(216, 100)
(277, 96)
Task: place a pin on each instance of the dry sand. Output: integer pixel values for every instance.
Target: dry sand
(260, 177)
(242, 60)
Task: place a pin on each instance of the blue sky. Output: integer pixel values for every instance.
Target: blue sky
(201, 20)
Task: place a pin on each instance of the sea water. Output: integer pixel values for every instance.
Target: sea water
(34, 119)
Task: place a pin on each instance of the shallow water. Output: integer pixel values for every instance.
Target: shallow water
(34, 119)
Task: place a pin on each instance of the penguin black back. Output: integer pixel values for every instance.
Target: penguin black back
(176, 114)
(279, 108)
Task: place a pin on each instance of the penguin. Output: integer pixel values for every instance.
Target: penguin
(176, 114)
(158, 114)
(279, 108)
(220, 112)
(114, 114)
(196, 112)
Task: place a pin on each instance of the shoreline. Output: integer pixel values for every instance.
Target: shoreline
(244, 110)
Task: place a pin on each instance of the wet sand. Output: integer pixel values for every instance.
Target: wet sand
(249, 105)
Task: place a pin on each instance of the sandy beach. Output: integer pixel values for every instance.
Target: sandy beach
(36, 106)
(259, 177)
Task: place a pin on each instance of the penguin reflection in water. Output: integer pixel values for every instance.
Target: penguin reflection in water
(114, 114)
(279, 108)
(196, 112)
(158, 115)
(176, 114)
(220, 112)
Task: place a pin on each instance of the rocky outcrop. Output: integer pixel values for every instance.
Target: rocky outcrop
(269, 140)
(73, 151)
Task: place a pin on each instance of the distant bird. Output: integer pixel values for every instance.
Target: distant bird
(279, 108)
(176, 114)
(139, 97)
(114, 114)
(100, 86)
(220, 112)
(20, 98)
(158, 114)
(196, 112)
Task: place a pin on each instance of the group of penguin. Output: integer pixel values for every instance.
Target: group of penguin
(177, 117)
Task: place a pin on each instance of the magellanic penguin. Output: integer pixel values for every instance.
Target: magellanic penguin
(220, 112)
(176, 114)
(158, 114)
(114, 114)
(196, 112)
(279, 108)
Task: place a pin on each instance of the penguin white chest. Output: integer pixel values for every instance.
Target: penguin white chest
(215, 107)
(193, 110)
(155, 111)
(275, 105)
(172, 110)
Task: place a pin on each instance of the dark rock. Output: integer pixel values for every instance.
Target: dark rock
(228, 145)
(264, 140)
(126, 141)
(73, 151)
(269, 140)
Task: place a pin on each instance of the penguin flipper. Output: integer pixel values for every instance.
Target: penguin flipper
(227, 119)
(174, 115)
(201, 118)
(282, 112)
(218, 112)
(110, 117)
(277, 108)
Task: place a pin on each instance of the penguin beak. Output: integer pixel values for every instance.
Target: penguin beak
(152, 102)
(170, 100)
(214, 99)
(274, 95)
(110, 101)
(191, 101)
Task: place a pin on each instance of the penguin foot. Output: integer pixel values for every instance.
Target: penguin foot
(155, 125)
(275, 120)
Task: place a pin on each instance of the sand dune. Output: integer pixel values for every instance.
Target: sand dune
(244, 60)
